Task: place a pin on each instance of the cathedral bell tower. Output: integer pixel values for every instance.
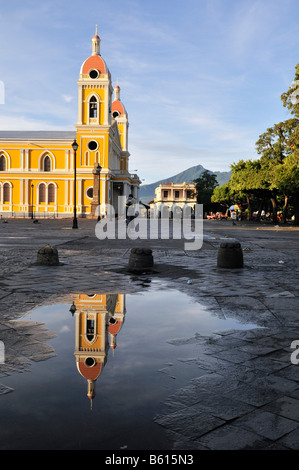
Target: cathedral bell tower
(95, 90)
(102, 136)
(93, 129)
(97, 317)
(120, 115)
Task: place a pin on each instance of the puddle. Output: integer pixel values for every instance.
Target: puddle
(116, 362)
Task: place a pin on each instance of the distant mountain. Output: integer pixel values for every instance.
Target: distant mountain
(147, 191)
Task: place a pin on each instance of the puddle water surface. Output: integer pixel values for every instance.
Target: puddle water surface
(114, 366)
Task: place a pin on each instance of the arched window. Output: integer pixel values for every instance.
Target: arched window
(42, 193)
(47, 163)
(2, 163)
(51, 193)
(6, 193)
(93, 107)
(90, 329)
(87, 159)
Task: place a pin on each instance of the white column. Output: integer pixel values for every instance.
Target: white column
(80, 106)
(66, 192)
(26, 192)
(26, 159)
(77, 329)
(21, 159)
(135, 193)
(21, 192)
(106, 104)
(56, 198)
(80, 183)
(66, 159)
(103, 184)
(127, 189)
(72, 160)
(71, 195)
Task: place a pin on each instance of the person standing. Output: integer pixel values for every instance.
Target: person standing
(130, 208)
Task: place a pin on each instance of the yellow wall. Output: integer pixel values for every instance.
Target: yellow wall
(98, 308)
(100, 155)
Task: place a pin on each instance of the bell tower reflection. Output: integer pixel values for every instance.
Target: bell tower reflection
(98, 320)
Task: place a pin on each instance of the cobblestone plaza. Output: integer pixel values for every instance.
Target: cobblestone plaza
(243, 392)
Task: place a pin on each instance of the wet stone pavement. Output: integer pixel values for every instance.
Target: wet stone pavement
(245, 394)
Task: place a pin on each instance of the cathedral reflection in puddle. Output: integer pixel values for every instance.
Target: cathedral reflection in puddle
(98, 320)
(98, 368)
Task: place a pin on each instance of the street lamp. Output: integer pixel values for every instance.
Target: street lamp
(73, 308)
(32, 201)
(75, 148)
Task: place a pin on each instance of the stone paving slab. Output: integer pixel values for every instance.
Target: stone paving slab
(290, 440)
(269, 425)
(190, 422)
(285, 406)
(231, 437)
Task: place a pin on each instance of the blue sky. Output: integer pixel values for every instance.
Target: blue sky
(200, 79)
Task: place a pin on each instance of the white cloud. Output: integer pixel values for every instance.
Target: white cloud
(65, 329)
(23, 123)
(67, 98)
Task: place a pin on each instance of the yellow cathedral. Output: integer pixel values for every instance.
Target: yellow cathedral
(38, 169)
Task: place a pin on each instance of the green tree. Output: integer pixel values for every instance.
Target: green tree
(205, 186)
(276, 143)
(290, 98)
(274, 146)
(250, 180)
(226, 196)
(286, 178)
(222, 195)
(287, 175)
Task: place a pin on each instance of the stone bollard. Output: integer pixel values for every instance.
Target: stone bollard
(47, 256)
(230, 255)
(141, 260)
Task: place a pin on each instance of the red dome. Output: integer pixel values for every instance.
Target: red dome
(90, 373)
(118, 106)
(94, 62)
(114, 328)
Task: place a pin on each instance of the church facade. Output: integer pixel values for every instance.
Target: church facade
(42, 176)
